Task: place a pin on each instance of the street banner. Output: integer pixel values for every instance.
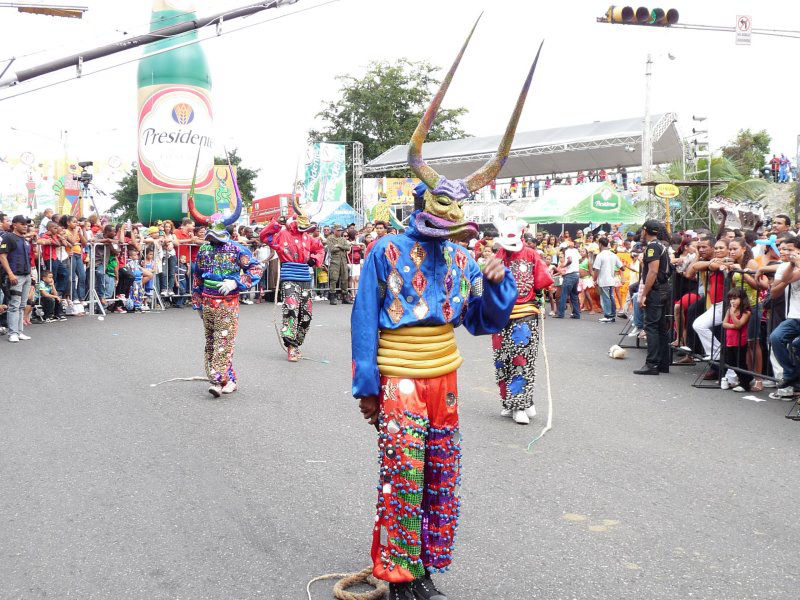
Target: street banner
(325, 174)
(382, 192)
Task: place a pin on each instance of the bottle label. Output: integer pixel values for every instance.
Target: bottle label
(175, 122)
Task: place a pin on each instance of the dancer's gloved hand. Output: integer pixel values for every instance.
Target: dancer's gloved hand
(227, 286)
(494, 270)
(369, 408)
(312, 262)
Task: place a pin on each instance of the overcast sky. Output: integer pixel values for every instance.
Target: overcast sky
(269, 81)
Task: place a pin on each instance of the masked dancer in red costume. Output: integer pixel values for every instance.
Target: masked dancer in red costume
(297, 250)
(516, 346)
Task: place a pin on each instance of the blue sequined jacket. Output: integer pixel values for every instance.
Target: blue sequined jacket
(215, 264)
(415, 280)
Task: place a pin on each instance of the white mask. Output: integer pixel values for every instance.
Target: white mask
(510, 234)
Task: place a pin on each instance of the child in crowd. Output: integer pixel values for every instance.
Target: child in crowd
(148, 271)
(183, 281)
(487, 254)
(49, 298)
(735, 325)
(136, 294)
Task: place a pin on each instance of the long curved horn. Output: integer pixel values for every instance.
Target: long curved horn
(415, 161)
(235, 215)
(295, 202)
(198, 218)
(489, 171)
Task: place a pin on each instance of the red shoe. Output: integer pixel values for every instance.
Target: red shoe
(294, 354)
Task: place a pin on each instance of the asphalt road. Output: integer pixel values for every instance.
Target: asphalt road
(646, 488)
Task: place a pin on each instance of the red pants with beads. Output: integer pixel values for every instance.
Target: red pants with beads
(420, 450)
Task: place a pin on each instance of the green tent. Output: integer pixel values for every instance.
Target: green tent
(584, 203)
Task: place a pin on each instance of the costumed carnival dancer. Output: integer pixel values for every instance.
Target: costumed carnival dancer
(516, 346)
(415, 288)
(223, 269)
(297, 250)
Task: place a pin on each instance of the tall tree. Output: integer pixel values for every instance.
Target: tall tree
(126, 196)
(382, 107)
(748, 150)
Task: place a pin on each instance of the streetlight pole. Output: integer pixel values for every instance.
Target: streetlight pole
(647, 145)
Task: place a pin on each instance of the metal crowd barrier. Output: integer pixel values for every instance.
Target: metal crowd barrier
(693, 346)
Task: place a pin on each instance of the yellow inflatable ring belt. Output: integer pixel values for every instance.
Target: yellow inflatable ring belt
(523, 310)
(418, 352)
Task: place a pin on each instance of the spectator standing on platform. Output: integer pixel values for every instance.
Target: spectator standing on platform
(15, 259)
(775, 166)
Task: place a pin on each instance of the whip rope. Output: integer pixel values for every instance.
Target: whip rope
(195, 378)
(549, 425)
(347, 580)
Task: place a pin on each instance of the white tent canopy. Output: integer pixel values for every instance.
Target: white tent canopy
(598, 145)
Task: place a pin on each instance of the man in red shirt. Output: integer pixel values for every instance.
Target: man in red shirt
(775, 167)
(380, 231)
(188, 244)
(50, 242)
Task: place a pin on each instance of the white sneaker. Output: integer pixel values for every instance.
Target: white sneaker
(215, 390)
(786, 394)
(634, 332)
(768, 383)
(229, 387)
(605, 320)
(22, 336)
(520, 417)
(724, 384)
(531, 411)
(13, 338)
(506, 412)
(738, 388)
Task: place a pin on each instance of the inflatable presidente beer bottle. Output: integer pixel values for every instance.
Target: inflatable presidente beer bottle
(175, 120)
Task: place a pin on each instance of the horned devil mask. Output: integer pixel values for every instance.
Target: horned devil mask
(443, 215)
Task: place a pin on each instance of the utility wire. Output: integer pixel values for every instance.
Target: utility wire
(190, 43)
(124, 32)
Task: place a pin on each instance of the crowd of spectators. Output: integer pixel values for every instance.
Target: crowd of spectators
(47, 269)
(534, 187)
(736, 293)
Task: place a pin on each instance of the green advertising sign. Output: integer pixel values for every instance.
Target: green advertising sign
(605, 200)
(326, 174)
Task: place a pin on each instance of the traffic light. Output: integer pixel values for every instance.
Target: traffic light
(53, 10)
(627, 15)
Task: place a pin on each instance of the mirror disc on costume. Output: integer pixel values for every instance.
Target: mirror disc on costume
(393, 427)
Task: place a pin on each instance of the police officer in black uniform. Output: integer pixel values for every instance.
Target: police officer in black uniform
(654, 290)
